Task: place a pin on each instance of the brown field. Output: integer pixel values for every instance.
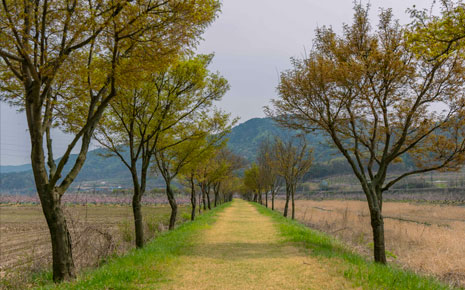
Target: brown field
(424, 238)
(97, 232)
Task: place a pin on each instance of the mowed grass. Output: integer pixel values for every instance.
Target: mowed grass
(244, 250)
(363, 273)
(144, 268)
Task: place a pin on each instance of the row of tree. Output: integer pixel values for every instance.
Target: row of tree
(277, 162)
(217, 175)
(120, 71)
(383, 96)
(165, 123)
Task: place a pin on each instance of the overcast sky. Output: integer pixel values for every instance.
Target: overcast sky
(253, 41)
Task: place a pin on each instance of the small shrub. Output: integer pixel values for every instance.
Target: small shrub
(152, 224)
(93, 246)
(185, 217)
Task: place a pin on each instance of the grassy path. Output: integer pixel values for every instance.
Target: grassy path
(244, 246)
(243, 250)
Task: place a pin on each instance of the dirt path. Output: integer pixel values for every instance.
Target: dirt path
(243, 250)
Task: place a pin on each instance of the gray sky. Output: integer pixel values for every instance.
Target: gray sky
(252, 41)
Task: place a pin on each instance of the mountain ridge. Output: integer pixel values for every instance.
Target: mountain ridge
(244, 140)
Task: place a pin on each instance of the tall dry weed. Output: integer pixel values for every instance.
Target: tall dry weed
(421, 237)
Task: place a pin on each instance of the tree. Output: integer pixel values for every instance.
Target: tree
(291, 161)
(434, 36)
(192, 139)
(191, 179)
(190, 176)
(230, 186)
(274, 186)
(217, 170)
(378, 100)
(204, 184)
(252, 180)
(268, 174)
(262, 176)
(226, 164)
(213, 172)
(206, 173)
(60, 62)
(148, 109)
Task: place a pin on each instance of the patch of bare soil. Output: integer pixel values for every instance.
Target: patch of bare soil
(97, 232)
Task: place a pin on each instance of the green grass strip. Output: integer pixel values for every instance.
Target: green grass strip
(141, 268)
(362, 273)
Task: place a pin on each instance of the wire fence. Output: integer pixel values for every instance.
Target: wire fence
(454, 195)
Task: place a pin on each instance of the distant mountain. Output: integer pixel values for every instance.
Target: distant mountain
(244, 140)
(107, 171)
(15, 168)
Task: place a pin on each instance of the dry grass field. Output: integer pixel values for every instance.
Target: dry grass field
(97, 231)
(423, 238)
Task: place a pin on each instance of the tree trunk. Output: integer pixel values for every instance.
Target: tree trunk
(138, 223)
(377, 225)
(193, 201)
(50, 198)
(293, 205)
(208, 198)
(203, 198)
(293, 188)
(272, 200)
(174, 206)
(216, 191)
(286, 206)
(200, 202)
(216, 199)
(375, 204)
(266, 199)
(63, 264)
(137, 207)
